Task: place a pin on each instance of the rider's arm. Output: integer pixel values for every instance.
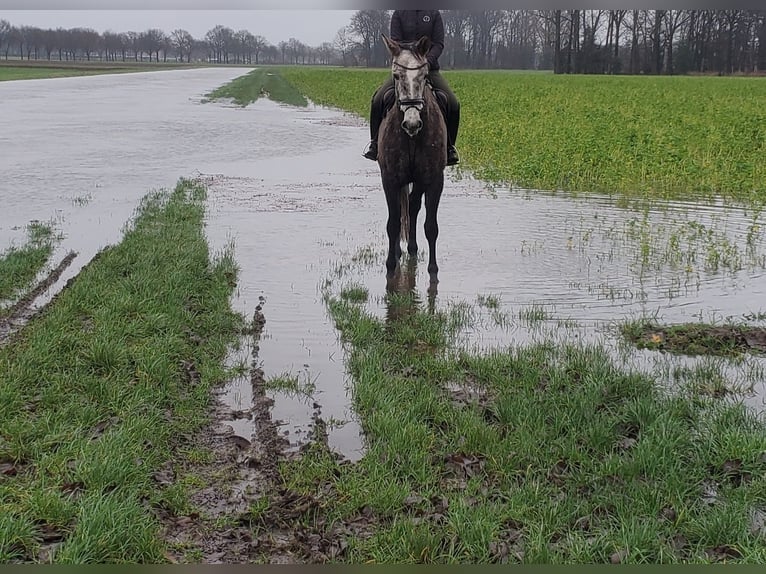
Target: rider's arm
(396, 27)
(437, 39)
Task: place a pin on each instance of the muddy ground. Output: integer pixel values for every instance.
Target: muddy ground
(17, 315)
(244, 473)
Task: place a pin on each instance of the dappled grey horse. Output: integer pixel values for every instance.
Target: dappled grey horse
(412, 154)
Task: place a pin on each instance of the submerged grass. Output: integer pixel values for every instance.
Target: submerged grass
(95, 392)
(546, 453)
(638, 136)
(20, 265)
(261, 82)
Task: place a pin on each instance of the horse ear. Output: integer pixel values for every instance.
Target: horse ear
(424, 44)
(393, 46)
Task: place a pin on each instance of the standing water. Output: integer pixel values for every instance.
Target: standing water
(289, 188)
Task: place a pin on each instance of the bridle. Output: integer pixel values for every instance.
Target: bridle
(408, 103)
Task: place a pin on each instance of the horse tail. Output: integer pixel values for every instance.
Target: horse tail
(404, 200)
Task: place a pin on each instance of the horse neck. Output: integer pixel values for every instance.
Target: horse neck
(431, 106)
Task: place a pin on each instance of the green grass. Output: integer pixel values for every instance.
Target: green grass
(558, 456)
(20, 265)
(8, 73)
(98, 390)
(637, 136)
(261, 82)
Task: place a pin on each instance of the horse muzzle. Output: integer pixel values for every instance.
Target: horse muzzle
(412, 124)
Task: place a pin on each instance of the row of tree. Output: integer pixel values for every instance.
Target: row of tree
(565, 41)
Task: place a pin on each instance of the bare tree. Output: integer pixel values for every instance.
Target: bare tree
(5, 31)
(343, 44)
(368, 25)
(567, 41)
(258, 46)
(761, 54)
(183, 42)
(112, 44)
(674, 19)
(87, 40)
(220, 40)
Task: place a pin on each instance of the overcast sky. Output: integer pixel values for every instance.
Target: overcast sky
(312, 27)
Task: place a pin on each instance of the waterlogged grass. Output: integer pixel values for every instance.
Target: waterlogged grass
(546, 453)
(489, 301)
(638, 136)
(355, 294)
(20, 265)
(100, 388)
(298, 386)
(261, 82)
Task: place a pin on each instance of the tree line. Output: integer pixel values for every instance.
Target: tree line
(564, 41)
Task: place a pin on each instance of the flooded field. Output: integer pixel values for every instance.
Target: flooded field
(306, 214)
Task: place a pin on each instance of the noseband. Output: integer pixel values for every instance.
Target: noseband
(407, 103)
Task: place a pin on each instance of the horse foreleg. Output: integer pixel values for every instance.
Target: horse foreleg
(433, 196)
(416, 200)
(393, 229)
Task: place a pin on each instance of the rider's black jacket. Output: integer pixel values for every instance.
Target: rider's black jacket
(411, 25)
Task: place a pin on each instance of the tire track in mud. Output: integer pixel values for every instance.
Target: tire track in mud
(242, 475)
(21, 312)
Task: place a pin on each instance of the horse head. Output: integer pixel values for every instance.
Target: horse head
(409, 68)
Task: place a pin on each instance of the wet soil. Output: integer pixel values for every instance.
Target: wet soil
(17, 315)
(244, 513)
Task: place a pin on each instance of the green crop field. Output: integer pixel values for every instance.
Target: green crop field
(639, 136)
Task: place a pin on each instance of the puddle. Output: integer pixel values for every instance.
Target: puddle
(290, 189)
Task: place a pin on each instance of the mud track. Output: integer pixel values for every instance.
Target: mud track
(243, 475)
(20, 313)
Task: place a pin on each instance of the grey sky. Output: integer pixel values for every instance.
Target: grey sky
(312, 27)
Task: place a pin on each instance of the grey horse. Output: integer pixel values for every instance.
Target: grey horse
(412, 154)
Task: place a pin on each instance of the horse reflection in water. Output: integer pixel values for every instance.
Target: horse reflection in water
(402, 297)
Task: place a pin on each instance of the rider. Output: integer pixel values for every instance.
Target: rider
(410, 26)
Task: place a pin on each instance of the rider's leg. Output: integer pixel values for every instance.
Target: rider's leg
(453, 115)
(376, 117)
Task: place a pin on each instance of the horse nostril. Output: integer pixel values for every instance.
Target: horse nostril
(419, 124)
